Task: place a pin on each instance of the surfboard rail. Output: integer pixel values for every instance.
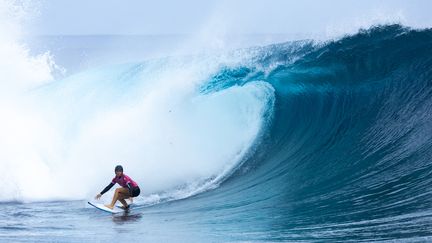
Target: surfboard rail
(102, 207)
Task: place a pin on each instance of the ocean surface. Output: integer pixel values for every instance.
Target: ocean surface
(302, 141)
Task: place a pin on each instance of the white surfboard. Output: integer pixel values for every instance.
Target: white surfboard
(105, 209)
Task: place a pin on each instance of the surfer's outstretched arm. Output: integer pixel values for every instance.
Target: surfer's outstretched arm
(107, 188)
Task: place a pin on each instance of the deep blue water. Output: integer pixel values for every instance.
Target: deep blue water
(347, 157)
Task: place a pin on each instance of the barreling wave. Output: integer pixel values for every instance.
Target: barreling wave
(349, 152)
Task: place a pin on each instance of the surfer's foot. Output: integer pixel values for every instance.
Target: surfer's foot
(125, 208)
(109, 206)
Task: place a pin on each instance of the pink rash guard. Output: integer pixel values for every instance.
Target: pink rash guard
(123, 181)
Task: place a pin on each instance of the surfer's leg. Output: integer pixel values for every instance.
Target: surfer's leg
(124, 203)
(114, 200)
(118, 195)
(124, 194)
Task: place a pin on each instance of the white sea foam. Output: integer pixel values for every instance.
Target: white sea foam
(62, 140)
(20, 125)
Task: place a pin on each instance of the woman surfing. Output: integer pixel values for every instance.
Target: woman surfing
(128, 190)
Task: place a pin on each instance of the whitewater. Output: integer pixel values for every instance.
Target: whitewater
(294, 141)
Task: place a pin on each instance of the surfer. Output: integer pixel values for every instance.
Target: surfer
(128, 189)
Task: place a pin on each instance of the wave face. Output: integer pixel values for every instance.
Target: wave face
(349, 152)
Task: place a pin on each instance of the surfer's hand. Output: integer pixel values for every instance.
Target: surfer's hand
(98, 196)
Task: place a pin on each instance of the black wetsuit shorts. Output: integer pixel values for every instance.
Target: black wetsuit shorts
(135, 191)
